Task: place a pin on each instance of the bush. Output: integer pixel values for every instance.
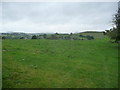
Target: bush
(34, 37)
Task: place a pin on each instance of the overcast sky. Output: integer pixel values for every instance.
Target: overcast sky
(61, 17)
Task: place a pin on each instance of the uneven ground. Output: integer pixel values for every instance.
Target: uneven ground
(60, 64)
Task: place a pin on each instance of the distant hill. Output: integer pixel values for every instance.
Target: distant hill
(71, 36)
(91, 32)
(95, 34)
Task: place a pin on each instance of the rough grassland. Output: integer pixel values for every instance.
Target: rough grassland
(60, 64)
(0, 64)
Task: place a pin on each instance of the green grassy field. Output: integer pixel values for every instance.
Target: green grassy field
(60, 64)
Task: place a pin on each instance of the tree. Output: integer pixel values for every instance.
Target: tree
(22, 38)
(56, 33)
(34, 37)
(92, 37)
(89, 37)
(114, 33)
(3, 37)
(44, 35)
(71, 33)
(118, 25)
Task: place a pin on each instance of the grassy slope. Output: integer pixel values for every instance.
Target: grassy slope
(60, 63)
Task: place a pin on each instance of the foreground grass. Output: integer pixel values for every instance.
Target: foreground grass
(60, 64)
(0, 64)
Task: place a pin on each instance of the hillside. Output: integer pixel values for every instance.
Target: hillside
(94, 34)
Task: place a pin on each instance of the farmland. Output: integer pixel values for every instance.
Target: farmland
(54, 36)
(59, 63)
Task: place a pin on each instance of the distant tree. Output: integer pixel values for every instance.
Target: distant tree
(104, 33)
(81, 35)
(89, 37)
(3, 37)
(71, 33)
(34, 37)
(22, 38)
(92, 37)
(44, 35)
(56, 33)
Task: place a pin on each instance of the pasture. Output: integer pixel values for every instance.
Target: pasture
(59, 63)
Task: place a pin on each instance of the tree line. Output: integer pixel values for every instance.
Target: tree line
(55, 36)
(114, 33)
(65, 37)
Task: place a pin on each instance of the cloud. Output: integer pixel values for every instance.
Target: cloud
(57, 17)
(0, 16)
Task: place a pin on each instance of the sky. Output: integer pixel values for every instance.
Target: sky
(60, 17)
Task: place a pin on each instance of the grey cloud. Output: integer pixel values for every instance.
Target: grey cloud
(98, 15)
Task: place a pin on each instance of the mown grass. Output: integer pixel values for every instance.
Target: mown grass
(60, 64)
